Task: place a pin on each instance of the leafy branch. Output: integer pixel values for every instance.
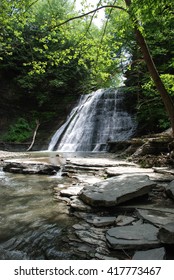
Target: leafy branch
(91, 12)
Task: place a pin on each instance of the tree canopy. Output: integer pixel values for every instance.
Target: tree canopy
(48, 51)
(36, 40)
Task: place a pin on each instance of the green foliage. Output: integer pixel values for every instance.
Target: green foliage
(20, 131)
(45, 58)
(151, 110)
(168, 80)
(151, 115)
(155, 19)
(48, 61)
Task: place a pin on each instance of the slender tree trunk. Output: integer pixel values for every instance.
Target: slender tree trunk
(34, 135)
(168, 103)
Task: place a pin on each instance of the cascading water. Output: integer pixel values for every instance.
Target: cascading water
(98, 118)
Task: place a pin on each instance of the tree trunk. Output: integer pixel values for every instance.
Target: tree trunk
(168, 103)
(34, 135)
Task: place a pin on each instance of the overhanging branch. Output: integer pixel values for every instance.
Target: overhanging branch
(91, 12)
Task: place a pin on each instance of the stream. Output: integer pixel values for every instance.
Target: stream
(37, 223)
(32, 223)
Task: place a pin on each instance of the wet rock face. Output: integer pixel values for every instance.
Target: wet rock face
(116, 190)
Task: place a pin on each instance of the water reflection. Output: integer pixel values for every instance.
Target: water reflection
(32, 223)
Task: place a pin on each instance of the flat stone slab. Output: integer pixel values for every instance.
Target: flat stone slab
(166, 233)
(77, 204)
(153, 254)
(122, 220)
(158, 218)
(119, 170)
(30, 167)
(102, 221)
(71, 191)
(116, 190)
(133, 237)
(115, 171)
(160, 177)
(164, 170)
(98, 162)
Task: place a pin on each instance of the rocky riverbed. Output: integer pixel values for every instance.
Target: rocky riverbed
(123, 211)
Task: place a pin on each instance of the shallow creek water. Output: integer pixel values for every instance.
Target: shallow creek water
(32, 223)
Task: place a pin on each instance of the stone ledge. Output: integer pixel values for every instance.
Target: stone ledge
(30, 167)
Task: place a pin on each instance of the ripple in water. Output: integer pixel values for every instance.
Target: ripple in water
(33, 225)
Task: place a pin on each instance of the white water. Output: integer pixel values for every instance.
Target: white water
(97, 119)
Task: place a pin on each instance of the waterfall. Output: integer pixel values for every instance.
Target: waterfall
(97, 119)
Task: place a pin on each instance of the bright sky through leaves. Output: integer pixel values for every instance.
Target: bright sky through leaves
(92, 4)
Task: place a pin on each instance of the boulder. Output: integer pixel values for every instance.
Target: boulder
(133, 237)
(153, 254)
(116, 190)
(166, 233)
